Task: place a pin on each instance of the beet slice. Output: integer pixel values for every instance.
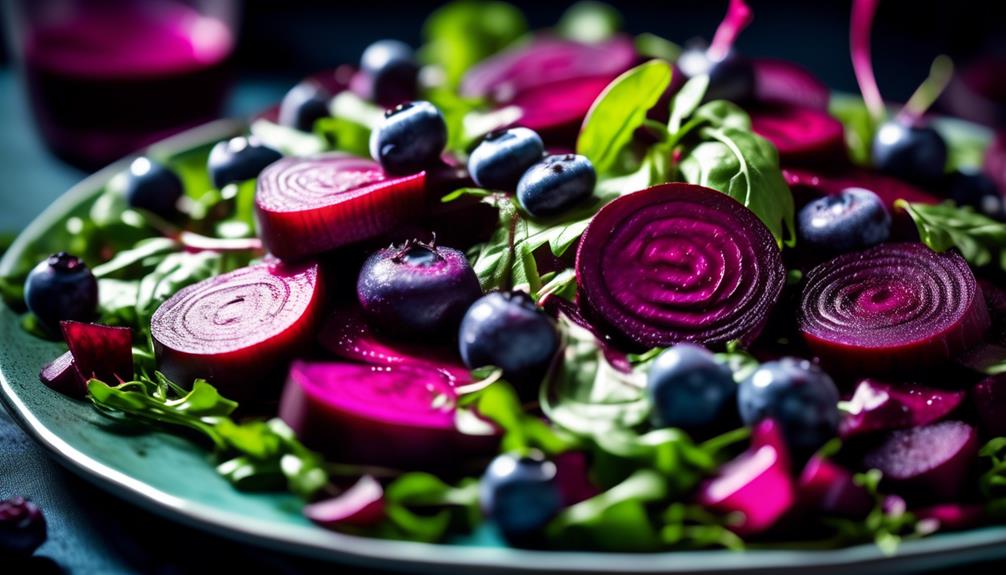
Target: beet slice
(802, 135)
(952, 516)
(556, 110)
(311, 205)
(878, 406)
(100, 351)
(889, 189)
(895, 307)
(828, 487)
(544, 60)
(781, 82)
(679, 262)
(362, 505)
(926, 463)
(347, 335)
(757, 484)
(61, 375)
(238, 330)
(400, 416)
(990, 401)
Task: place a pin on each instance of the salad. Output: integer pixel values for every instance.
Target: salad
(568, 287)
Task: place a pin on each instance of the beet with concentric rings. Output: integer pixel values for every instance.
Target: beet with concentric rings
(238, 330)
(893, 308)
(679, 262)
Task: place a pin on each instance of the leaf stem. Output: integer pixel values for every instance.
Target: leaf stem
(739, 16)
(863, 12)
(927, 93)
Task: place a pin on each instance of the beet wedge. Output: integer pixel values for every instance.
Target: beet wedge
(61, 375)
(781, 82)
(100, 351)
(307, 206)
(803, 136)
(679, 262)
(827, 487)
(879, 406)
(238, 330)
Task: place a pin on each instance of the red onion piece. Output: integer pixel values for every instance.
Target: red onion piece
(362, 505)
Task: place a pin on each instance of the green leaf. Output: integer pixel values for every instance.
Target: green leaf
(686, 101)
(117, 302)
(522, 432)
(175, 272)
(980, 239)
(348, 128)
(653, 46)
(618, 111)
(290, 141)
(137, 261)
(859, 127)
(590, 22)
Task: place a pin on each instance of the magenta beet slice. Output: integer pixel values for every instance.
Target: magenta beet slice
(100, 351)
(990, 401)
(828, 487)
(952, 516)
(802, 135)
(400, 416)
(555, 110)
(878, 406)
(679, 262)
(926, 463)
(312, 205)
(544, 60)
(756, 485)
(781, 82)
(347, 335)
(238, 330)
(894, 307)
(61, 375)
(362, 505)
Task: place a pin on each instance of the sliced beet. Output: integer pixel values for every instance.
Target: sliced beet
(555, 110)
(61, 375)
(311, 205)
(238, 330)
(781, 82)
(828, 487)
(893, 308)
(926, 463)
(362, 505)
(679, 262)
(803, 136)
(756, 485)
(100, 351)
(400, 416)
(990, 402)
(347, 335)
(952, 516)
(544, 60)
(879, 406)
(889, 189)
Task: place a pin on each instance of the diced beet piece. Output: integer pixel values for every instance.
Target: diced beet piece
(878, 406)
(757, 484)
(926, 463)
(990, 402)
(893, 308)
(311, 205)
(362, 505)
(401, 416)
(347, 335)
(803, 136)
(952, 516)
(828, 487)
(572, 474)
(238, 330)
(61, 375)
(679, 262)
(556, 110)
(100, 351)
(782, 82)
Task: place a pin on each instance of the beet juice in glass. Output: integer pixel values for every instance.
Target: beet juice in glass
(107, 77)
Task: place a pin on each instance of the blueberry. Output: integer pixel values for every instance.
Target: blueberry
(502, 157)
(689, 388)
(520, 495)
(507, 330)
(730, 78)
(417, 288)
(798, 395)
(22, 527)
(303, 105)
(61, 288)
(975, 189)
(391, 72)
(850, 220)
(556, 184)
(913, 153)
(410, 138)
(239, 159)
(152, 186)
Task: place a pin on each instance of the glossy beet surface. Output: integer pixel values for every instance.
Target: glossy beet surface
(417, 289)
(303, 105)
(61, 287)
(100, 351)
(239, 159)
(895, 307)
(389, 72)
(307, 206)
(689, 388)
(879, 406)
(409, 139)
(851, 220)
(152, 186)
(679, 262)
(803, 136)
(502, 157)
(556, 184)
(520, 495)
(22, 528)
(913, 153)
(828, 487)
(61, 375)
(238, 330)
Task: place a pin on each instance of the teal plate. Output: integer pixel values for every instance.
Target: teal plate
(175, 478)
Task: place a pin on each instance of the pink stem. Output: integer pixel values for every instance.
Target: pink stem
(739, 16)
(863, 12)
(196, 242)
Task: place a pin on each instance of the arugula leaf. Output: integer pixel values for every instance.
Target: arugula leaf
(590, 22)
(137, 261)
(692, 527)
(421, 507)
(618, 111)
(348, 128)
(980, 239)
(522, 432)
(992, 482)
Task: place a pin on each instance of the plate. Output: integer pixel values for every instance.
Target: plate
(175, 478)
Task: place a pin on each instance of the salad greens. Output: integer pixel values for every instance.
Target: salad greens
(980, 239)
